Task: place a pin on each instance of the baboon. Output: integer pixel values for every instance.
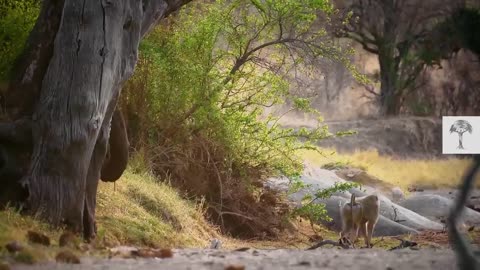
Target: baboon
(362, 215)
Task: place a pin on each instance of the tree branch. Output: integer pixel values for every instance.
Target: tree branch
(154, 10)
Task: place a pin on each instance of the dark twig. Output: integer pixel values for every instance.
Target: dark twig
(403, 244)
(330, 242)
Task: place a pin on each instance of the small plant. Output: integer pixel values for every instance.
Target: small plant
(313, 211)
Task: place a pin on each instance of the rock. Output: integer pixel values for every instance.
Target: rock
(13, 247)
(123, 251)
(165, 253)
(388, 227)
(409, 218)
(235, 267)
(397, 194)
(215, 244)
(365, 179)
(437, 208)
(154, 253)
(66, 256)
(413, 137)
(242, 249)
(38, 238)
(394, 220)
(322, 179)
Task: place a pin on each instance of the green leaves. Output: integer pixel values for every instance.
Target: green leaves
(315, 211)
(17, 18)
(219, 65)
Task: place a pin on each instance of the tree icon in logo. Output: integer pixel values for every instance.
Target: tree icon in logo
(460, 127)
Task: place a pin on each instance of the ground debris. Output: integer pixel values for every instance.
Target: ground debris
(437, 237)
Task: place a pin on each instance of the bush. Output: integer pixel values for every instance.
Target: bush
(196, 104)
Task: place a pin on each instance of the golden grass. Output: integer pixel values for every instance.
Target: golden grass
(140, 211)
(143, 211)
(399, 172)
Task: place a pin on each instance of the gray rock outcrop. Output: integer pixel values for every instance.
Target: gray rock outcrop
(437, 208)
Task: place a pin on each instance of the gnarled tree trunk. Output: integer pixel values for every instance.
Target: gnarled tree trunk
(78, 56)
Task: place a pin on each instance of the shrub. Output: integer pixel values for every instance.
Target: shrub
(196, 104)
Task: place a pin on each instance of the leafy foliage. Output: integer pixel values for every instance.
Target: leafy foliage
(197, 101)
(314, 211)
(17, 18)
(213, 75)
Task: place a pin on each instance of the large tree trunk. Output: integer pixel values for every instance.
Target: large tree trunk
(90, 51)
(390, 100)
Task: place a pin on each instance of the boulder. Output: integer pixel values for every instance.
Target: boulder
(384, 227)
(394, 220)
(400, 214)
(436, 207)
(397, 194)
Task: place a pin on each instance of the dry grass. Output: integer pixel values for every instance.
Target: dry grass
(140, 211)
(399, 172)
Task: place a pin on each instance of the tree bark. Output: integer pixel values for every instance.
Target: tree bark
(389, 98)
(30, 68)
(90, 50)
(389, 101)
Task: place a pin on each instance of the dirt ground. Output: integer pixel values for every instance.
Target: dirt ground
(197, 259)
